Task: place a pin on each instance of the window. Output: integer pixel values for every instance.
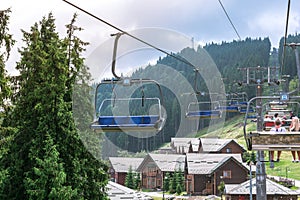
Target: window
(228, 150)
(158, 183)
(227, 174)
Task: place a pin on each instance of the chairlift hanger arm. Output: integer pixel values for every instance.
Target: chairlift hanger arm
(113, 64)
(130, 35)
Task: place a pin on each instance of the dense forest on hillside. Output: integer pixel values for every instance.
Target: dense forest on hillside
(227, 58)
(290, 67)
(217, 64)
(230, 56)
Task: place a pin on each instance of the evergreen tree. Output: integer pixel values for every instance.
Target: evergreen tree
(173, 183)
(6, 133)
(6, 43)
(48, 159)
(129, 182)
(137, 181)
(180, 178)
(179, 181)
(178, 189)
(221, 188)
(166, 182)
(49, 176)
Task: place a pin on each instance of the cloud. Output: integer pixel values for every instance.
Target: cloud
(202, 20)
(132, 53)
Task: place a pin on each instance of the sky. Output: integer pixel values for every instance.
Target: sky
(169, 25)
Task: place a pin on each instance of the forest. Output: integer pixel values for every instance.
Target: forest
(230, 59)
(47, 150)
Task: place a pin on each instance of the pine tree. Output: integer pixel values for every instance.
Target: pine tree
(137, 181)
(221, 188)
(180, 178)
(178, 189)
(129, 182)
(47, 136)
(48, 177)
(173, 183)
(6, 133)
(167, 182)
(6, 43)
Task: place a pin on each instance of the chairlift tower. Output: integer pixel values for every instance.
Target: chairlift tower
(255, 76)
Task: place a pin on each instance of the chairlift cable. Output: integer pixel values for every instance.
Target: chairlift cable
(130, 35)
(285, 37)
(229, 19)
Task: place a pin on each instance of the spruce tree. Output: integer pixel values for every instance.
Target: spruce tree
(166, 182)
(180, 178)
(178, 189)
(6, 133)
(48, 159)
(173, 183)
(129, 182)
(137, 180)
(49, 175)
(6, 43)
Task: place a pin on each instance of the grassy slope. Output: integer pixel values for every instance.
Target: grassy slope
(233, 128)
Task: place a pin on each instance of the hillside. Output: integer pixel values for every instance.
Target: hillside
(233, 128)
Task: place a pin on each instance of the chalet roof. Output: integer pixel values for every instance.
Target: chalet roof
(203, 163)
(122, 164)
(272, 188)
(181, 144)
(168, 162)
(176, 141)
(215, 144)
(208, 144)
(165, 162)
(116, 191)
(195, 142)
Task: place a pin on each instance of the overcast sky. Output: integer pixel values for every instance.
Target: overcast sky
(203, 20)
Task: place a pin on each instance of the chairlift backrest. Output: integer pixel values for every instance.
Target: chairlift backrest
(203, 110)
(127, 114)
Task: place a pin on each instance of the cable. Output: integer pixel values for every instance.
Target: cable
(130, 35)
(229, 20)
(285, 37)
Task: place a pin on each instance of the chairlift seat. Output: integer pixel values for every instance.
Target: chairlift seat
(127, 123)
(243, 110)
(279, 141)
(269, 123)
(251, 116)
(204, 114)
(243, 103)
(228, 108)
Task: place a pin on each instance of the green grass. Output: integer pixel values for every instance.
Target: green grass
(233, 128)
(157, 198)
(285, 167)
